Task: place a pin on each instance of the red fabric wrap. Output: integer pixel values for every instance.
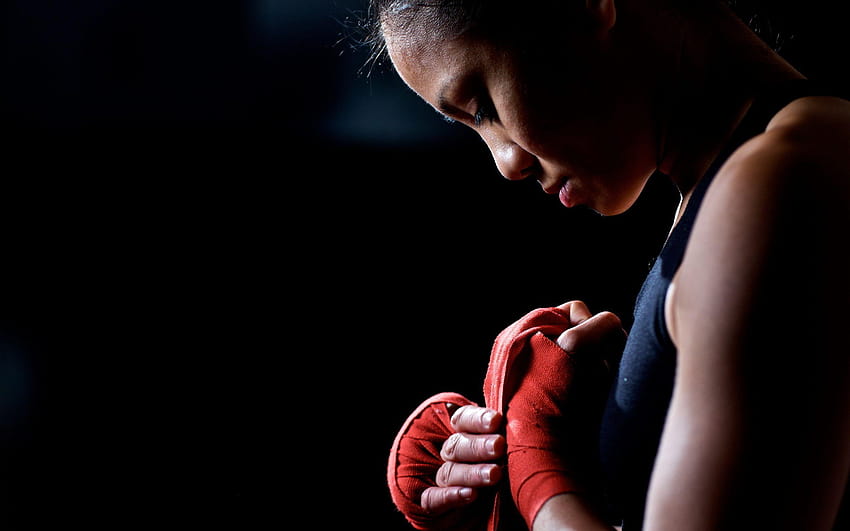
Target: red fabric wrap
(414, 461)
(530, 381)
(550, 429)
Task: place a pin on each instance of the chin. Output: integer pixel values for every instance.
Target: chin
(614, 211)
(619, 197)
(612, 206)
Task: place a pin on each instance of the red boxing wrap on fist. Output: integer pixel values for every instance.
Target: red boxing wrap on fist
(413, 463)
(551, 415)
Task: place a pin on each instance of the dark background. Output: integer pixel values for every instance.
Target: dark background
(232, 263)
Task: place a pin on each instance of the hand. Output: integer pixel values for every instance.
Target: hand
(548, 374)
(440, 462)
(576, 400)
(601, 334)
(470, 457)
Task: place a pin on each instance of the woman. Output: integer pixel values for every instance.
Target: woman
(730, 406)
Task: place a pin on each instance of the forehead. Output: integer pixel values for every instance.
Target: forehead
(425, 63)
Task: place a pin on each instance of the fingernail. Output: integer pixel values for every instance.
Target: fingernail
(486, 475)
(465, 493)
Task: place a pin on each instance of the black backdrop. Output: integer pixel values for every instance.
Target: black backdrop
(231, 265)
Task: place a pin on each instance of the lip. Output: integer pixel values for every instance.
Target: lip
(566, 192)
(567, 195)
(555, 187)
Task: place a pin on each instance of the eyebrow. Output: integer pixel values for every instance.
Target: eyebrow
(443, 105)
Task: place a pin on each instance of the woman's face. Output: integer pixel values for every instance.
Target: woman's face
(575, 114)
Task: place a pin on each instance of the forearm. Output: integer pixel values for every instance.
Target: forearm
(569, 512)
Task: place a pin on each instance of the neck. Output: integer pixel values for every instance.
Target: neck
(713, 83)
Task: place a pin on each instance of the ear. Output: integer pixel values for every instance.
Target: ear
(603, 13)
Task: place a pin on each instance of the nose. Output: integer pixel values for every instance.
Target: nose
(514, 162)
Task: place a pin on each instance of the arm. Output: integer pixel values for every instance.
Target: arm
(569, 512)
(758, 434)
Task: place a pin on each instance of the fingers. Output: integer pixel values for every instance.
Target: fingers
(468, 475)
(438, 500)
(475, 419)
(601, 329)
(578, 312)
(473, 448)
(457, 485)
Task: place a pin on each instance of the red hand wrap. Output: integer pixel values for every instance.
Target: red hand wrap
(414, 461)
(530, 381)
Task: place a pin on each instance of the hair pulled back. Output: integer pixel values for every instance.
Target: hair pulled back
(498, 20)
(447, 19)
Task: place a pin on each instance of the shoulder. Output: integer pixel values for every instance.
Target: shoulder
(806, 144)
(799, 165)
(759, 316)
(775, 209)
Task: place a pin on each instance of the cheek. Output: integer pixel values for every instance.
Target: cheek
(581, 119)
(619, 172)
(599, 134)
(592, 112)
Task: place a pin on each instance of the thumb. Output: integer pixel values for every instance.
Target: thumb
(598, 331)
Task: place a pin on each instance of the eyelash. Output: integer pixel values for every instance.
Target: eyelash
(484, 112)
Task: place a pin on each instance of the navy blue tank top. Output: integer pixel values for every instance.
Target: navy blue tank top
(640, 396)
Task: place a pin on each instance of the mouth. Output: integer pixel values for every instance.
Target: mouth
(564, 190)
(555, 187)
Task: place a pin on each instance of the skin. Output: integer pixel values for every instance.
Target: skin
(762, 292)
(540, 132)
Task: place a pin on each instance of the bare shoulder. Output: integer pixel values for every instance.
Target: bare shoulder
(807, 144)
(801, 162)
(780, 204)
(813, 117)
(759, 315)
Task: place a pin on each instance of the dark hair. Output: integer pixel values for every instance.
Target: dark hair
(452, 18)
(448, 18)
(767, 19)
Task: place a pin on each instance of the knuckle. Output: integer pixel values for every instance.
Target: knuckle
(481, 417)
(444, 474)
(486, 420)
(471, 476)
(472, 419)
(450, 447)
(432, 499)
(480, 446)
(458, 413)
(459, 418)
(610, 319)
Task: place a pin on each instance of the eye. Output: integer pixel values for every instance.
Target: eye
(485, 112)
